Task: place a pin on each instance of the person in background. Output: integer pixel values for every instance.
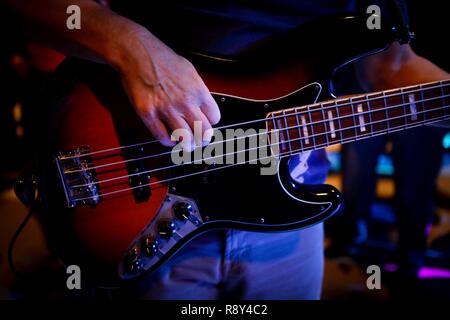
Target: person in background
(417, 157)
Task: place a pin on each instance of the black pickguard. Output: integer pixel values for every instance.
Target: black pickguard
(239, 196)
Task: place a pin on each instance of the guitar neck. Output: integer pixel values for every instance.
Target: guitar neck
(358, 117)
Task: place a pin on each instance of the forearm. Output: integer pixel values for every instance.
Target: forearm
(163, 87)
(397, 67)
(103, 36)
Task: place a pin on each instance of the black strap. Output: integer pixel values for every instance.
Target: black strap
(401, 18)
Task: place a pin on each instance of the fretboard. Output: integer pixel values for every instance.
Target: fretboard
(343, 120)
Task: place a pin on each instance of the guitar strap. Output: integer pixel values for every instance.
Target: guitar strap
(401, 19)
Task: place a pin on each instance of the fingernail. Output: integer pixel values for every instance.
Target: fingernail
(207, 136)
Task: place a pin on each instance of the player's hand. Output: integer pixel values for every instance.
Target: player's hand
(165, 89)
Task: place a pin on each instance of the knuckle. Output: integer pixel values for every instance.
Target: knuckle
(185, 101)
(144, 109)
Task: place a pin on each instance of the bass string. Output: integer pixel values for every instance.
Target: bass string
(257, 135)
(439, 84)
(269, 145)
(248, 161)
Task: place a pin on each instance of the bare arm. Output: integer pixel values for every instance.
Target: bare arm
(46, 21)
(164, 88)
(396, 67)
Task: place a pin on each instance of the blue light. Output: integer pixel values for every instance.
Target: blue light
(446, 141)
(385, 165)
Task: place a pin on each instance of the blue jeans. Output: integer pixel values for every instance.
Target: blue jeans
(231, 264)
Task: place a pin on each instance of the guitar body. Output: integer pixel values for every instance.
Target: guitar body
(123, 234)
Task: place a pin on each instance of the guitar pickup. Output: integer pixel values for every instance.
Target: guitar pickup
(78, 176)
(209, 176)
(139, 178)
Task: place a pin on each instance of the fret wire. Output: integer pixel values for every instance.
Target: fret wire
(443, 96)
(423, 103)
(324, 123)
(404, 108)
(298, 128)
(312, 126)
(275, 128)
(386, 112)
(338, 119)
(354, 117)
(287, 131)
(369, 111)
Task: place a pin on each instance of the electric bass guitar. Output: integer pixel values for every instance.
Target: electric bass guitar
(115, 200)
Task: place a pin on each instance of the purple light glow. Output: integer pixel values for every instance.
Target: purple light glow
(424, 272)
(433, 273)
(390, 267)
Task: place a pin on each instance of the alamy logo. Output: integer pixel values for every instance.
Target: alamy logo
(374, 20)
(374, 279)
(74, 19)
(233, 146)
(74, 279)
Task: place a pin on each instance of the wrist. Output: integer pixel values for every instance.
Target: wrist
(132, 46)
(118, 48)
